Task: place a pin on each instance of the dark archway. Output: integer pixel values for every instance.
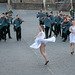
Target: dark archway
(3, 1)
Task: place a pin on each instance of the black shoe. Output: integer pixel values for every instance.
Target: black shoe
(20, 39)
(63, 40)
(72, 53)
(5, 40)
(46, 62)
(49, 36)
(17, 40)
(10, 37)
(56, 35)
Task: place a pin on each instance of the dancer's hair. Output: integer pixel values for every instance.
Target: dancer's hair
(51, 12)
(42, 27)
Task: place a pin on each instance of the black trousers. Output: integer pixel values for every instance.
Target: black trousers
(59, 29)
(46, 32)
(18, 33)
(41, 23)
(65, 35)
(8, 31)
(4, 33)
(0, 34)
(55, 27)
(52, 30)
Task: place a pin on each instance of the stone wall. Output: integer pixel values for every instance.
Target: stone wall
(3, 1)
(32, 4)
(33, 1)
(74, 4)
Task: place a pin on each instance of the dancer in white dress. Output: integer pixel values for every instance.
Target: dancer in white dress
(72, 36)
(40, 42)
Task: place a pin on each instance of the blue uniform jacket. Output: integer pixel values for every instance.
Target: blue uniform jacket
(17, 22)
(41, 15)
(62, 19)
(0, 23)
(7, 21)
(52, 18)
(57, 20)
(66, 25)
(47, 22)
(3, 22)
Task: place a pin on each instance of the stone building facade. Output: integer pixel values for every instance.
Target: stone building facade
(38, 4)
(33, 1)
(32, 4)
(3, 1)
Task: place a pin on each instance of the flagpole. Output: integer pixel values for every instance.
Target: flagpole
(71, 4)
(44, 4)
(8, 3)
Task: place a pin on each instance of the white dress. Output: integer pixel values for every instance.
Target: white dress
(40, 40)
(72, 36)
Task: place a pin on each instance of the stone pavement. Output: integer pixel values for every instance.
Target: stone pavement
(16, 58)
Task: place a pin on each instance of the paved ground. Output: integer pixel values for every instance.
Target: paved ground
(16, 58)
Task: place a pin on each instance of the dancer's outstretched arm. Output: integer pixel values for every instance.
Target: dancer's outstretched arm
(38, 35)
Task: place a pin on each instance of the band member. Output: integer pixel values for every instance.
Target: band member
(47, 22)
(46, 13)
(41, 14)
(72, 36)
(40, 42)
(52, 24)
(61, 14)
(69, 16)
(72, 12)
(62, 21)
(0, 27)
(60, 18)
(8, 25)
(10, 12)
(65, 29)
(55, 18)
(17, 25)
(58, 23)
(3, 27)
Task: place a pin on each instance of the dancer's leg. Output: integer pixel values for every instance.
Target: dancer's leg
(72, 48)
(42, 50)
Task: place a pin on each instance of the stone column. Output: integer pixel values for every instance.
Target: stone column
(8, 3)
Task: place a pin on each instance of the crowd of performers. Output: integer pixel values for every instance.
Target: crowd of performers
(59, 24)
(6, 22)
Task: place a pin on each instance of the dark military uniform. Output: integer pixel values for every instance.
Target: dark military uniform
(72, 13)
(52, 25)
(41, 15)
(3, 28)
(8, 26)
(10, 14)
(58, 25)
(65, 30)
(47, 23)
(0, 29)
(17, 28)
